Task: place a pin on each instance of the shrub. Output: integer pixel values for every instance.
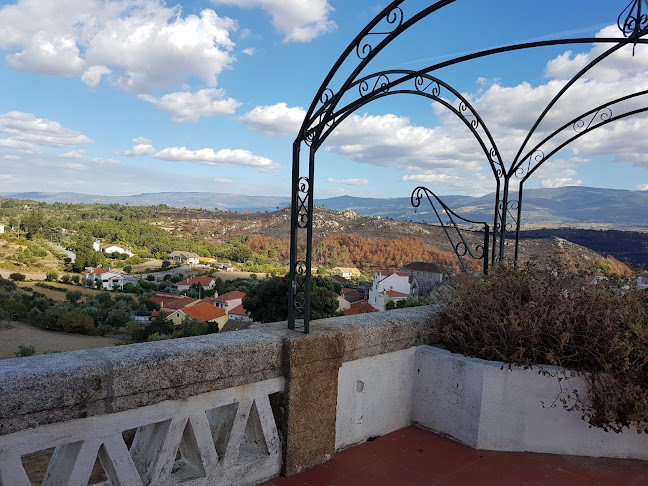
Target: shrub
(51, 276)
(25, 350)
(75, 322)
(17, 277)
(546, 315)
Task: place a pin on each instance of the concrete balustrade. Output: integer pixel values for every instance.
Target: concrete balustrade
(234, 408)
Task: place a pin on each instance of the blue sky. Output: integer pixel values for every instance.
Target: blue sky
(122, 97)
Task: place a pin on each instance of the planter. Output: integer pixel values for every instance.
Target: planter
(487, 407)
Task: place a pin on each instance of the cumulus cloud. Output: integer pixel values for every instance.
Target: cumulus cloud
(222, 180)
(26, 130)
(249, 51)
(74, 154)
(92, 76)
(299, 21)
(274, 120)
(143, 43)
(143, 146)
(224, 157)
(349, 182)
(103, 161)
(188, 106)
(642, 187)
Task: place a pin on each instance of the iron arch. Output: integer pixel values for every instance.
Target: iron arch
(323, 116)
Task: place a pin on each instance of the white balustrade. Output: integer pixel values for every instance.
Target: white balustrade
(225, 437)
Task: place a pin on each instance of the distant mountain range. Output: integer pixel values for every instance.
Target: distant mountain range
(564, 205)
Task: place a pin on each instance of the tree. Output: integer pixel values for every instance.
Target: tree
(51, 276)
(268, 301)
(73, 296)
(86, 256)
(166, 264)
(17, 277)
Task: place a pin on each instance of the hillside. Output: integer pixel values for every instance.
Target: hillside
(547, 207)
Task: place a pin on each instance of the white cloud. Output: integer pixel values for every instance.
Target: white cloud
(92, 76)
(48, 54)
(222, 180)
(224, 157)
(74, 154)
(566, 65)
(249, 51)
(74, 166)
(300, 21)
(25, 130)
(103, 161)
(642, 187)
(349, 182)
(186, 106)
(11, 157)
(143, 146)
(142, 42)
(274, 120)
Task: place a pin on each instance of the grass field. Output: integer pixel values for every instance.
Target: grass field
(55, 294)
(43, 341)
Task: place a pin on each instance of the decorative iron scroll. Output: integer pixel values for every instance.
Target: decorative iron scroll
(393, 18)
(453, 231)
(302, 190)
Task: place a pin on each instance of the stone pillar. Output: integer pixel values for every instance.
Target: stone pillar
(311, 364)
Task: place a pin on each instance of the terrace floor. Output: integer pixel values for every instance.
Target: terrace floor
(413, 457)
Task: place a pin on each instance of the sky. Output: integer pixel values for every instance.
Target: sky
(123, 97)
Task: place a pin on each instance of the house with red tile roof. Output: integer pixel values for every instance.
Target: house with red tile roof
(230, 300)
(172, 302)
(391, 286)
(239, 313)
(360, 307)
(201, 311)
(351, 295)
(207, 283)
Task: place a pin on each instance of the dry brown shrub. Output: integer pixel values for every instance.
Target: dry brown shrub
(547, 315)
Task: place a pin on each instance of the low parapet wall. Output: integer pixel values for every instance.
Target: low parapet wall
(486, 405)
(224, 401)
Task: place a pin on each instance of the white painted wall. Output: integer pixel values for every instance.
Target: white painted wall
(374, 396)
(486, 407)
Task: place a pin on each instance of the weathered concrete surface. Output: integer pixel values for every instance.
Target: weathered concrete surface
(311, 365)
(375, 396)
(60, 387)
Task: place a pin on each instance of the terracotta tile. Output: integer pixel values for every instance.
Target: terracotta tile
(390, 473)
(318, 476)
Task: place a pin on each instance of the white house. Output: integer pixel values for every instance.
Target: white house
(111, 248)
(642, 281)
(185, 257)
(109, 280)
(391, 286)
(1, 228)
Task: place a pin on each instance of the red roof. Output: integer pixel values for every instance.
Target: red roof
(234, 294)
(393, 294)
(204, 281)
(203, 312)
(361, 307)
(239, 311)
(95, 271)
(175, 302)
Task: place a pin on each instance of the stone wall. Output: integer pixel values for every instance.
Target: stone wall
(273, 391)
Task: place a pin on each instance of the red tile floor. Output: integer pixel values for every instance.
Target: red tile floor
(413, 457)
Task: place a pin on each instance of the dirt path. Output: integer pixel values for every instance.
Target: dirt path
(43, 341)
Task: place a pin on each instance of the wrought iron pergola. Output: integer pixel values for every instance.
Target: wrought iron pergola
(336, 100)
